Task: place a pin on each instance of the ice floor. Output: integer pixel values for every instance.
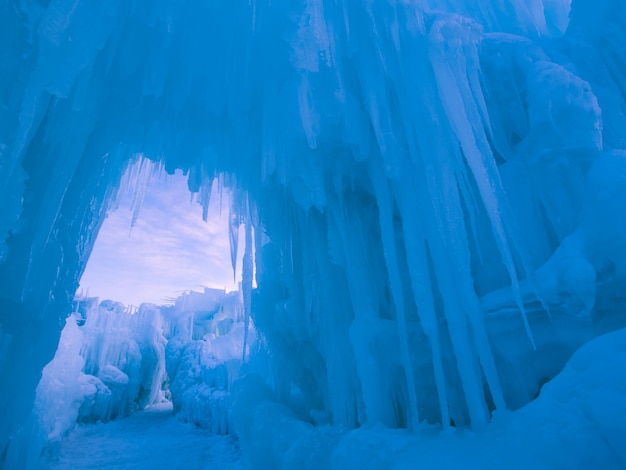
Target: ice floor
(151, 439)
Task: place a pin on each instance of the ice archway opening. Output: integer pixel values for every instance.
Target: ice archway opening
(434, 192)
(159, 240)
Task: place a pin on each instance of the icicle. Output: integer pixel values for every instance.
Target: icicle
(457, 99)
(144, 171)
(363, 295)
(233, 235)
(446, 237)
(415, 243)
(205, 197)
(385, 214)
(247, 278)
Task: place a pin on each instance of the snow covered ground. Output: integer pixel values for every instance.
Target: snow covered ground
(149, 439)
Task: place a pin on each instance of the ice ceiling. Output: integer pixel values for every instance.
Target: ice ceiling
(437, 188)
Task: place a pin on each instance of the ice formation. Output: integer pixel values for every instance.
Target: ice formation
(207, 337)
(433, 193)
(109, 363)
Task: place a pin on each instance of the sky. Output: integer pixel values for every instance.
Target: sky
(169, 250)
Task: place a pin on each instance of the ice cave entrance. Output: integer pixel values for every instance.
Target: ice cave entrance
(163, 281)
(439, 189)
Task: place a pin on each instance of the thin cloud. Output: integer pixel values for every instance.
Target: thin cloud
(169, 250)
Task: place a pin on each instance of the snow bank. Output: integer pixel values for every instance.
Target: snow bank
(576, 422)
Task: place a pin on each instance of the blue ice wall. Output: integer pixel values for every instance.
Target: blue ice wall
(435, 188)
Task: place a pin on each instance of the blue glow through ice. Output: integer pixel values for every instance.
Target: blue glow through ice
(428, 199)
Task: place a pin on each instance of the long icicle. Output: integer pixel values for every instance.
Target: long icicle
(385, 214)
(246, 278)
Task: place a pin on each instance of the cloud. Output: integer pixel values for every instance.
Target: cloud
(169, 250)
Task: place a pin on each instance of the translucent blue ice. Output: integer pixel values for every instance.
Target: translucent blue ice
(433, 195)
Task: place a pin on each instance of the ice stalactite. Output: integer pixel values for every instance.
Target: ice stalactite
(247, 277)
(139, 183)
(387, 231)
(235, 219)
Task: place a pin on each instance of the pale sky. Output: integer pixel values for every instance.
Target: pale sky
(169, 250)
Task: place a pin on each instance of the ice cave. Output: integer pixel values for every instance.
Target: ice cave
(428, 197)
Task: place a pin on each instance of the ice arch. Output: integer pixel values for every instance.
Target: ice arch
(403, 166)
